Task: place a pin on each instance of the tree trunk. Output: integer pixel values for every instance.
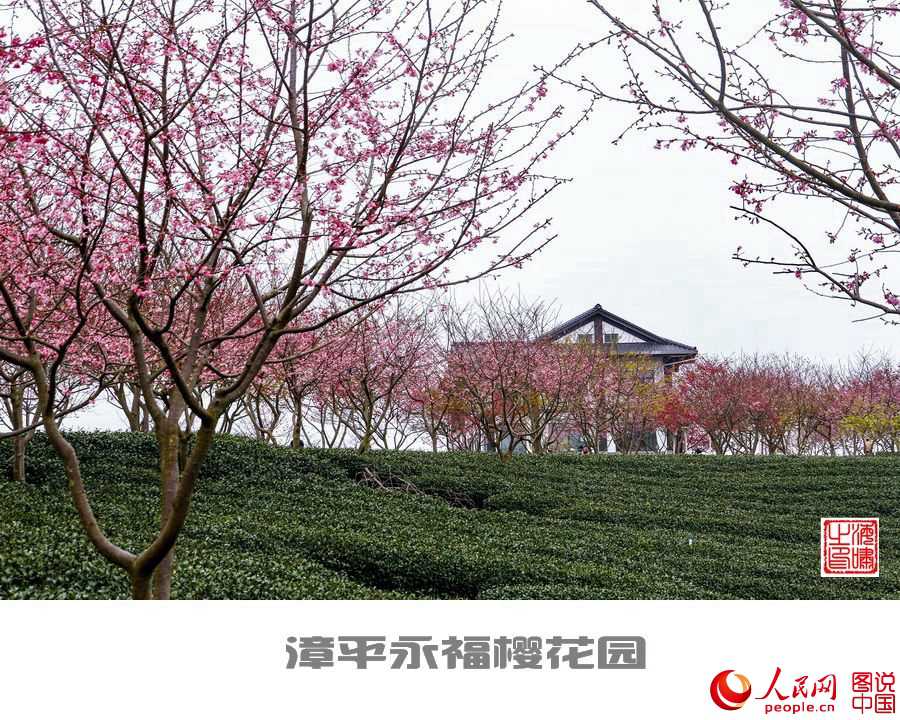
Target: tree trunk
(365, 442)
(134, 415)
(169, 463)
(140, 587)
(17, 398)
(296, 439)
(133, 408)
(20, 443)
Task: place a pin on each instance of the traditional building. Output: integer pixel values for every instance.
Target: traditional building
(600, 326)
(660, 359)
(620, 336)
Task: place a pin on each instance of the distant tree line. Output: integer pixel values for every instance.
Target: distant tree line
(478, 376)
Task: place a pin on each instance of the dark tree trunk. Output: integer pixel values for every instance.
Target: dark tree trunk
(140, 587)
(171, 457)
(296, 438)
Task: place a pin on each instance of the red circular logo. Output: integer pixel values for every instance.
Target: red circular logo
(723, 695)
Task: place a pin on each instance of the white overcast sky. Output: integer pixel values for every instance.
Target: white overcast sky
(649, 235)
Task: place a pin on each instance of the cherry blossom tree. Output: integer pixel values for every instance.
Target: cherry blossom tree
(871, 417)
(20, 412)
(377, 356)
(124, 394)
(706, 397)
(431, 405)
(803, 105)
(264, 406)
(19, 417)
(614, 396)
(201, 178)
(786, 405)
(506, 379)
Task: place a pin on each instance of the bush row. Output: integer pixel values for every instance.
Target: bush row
(276, 523)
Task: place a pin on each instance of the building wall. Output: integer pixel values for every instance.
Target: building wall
(586, 334)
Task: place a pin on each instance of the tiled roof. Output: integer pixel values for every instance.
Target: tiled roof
(652, 344)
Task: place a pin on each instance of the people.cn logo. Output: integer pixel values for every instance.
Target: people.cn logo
(724, 695)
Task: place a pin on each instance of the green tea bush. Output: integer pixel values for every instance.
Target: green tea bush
(277, 523)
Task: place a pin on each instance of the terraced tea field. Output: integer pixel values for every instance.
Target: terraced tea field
(275, 523)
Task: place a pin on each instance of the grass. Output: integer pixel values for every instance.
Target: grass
(275, 523)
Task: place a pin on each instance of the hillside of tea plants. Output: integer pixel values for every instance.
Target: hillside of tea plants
(276, 523)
